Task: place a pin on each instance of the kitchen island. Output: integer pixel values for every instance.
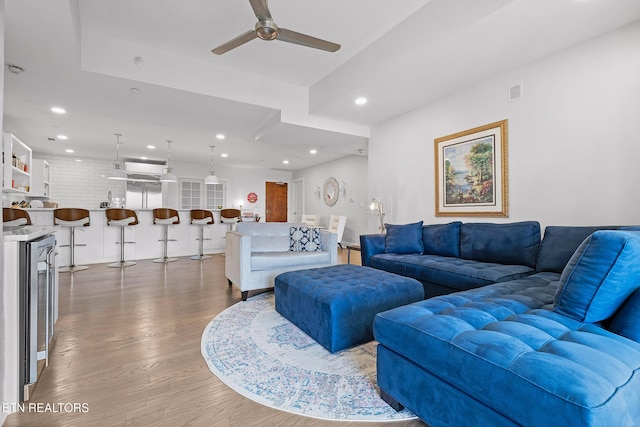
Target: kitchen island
(102, 241)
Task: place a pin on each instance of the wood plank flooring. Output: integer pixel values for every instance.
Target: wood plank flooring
(127, 344)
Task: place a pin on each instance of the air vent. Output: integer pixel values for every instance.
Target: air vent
(515, 92)
(51, 139)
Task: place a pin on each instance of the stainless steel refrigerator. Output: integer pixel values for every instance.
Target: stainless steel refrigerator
(143, 195)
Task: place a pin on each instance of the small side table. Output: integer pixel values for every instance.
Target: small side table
(349, 249)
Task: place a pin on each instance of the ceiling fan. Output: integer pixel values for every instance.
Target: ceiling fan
(266, 29)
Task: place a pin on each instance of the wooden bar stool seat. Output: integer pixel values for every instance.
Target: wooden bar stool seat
(121, 218)
(165, 217)
(201, 217)
(72, 218)
(231, 217)
(12, 217)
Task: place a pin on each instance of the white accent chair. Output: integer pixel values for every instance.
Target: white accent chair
(311, 220)
(336, 225)
(257, 252)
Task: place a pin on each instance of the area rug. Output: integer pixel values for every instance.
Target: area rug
(266, 358)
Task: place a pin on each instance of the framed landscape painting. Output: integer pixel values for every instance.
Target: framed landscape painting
(471, 172)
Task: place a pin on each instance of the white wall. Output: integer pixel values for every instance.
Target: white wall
(240, 182)
(81, 184)
(350, 171)
(3, 415)
(573, 145)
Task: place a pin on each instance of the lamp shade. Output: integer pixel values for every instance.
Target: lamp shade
(117, 173)
(169, 176)
(211, 179)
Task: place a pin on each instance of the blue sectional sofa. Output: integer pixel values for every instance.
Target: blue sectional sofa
(557, 347)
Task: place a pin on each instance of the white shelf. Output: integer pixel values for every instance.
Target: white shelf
(40, 172)
(17, 165)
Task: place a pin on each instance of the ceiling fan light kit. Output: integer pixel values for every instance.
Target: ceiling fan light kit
(266, 29)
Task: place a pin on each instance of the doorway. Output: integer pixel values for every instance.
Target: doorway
(276, 194)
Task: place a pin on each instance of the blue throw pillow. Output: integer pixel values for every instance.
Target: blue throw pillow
(404, 239)
(626, 321)
(442, 239)
(602, 273)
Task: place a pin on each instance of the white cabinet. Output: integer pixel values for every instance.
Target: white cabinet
(16, 157)
(40, 173)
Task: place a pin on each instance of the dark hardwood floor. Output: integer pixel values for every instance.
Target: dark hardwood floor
(127, 344)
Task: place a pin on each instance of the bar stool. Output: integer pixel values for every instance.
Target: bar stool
(166, 217)
(72, 218)
(231, 217)
(13, 217)
(121, 218)
(201, 217)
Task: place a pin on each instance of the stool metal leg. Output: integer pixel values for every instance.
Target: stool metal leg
(122, 262)
(72, 267)
(201, 254)
(165, 259)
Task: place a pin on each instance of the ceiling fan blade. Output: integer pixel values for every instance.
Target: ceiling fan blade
(261, 9)
(233, 43)
(305, 40)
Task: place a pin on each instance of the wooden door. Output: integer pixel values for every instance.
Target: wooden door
(276, 201)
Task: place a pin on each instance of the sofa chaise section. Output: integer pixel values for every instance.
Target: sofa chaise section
(553, 350)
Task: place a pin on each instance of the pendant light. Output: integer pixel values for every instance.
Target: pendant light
(212, 178)
(169, 176)
(117, 172)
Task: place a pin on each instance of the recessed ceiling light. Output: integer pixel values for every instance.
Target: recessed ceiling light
(58, 110)
(286, 162)
(361, 100)
(313, 151)
(151, 147)
(220, 136)
(63, 137)
(68, 150)
(134, 90)
(224, 155)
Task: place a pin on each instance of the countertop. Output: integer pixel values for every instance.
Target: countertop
(26, 233)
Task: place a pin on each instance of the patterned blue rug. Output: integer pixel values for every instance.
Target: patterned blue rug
(266, 358)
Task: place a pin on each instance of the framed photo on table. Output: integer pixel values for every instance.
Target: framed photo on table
(472, 172)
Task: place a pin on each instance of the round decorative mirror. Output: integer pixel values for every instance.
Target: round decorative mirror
(330, 191)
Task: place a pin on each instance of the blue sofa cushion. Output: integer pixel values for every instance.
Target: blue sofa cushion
(404, 239)
(451, 272)
(559, 244)
(602, 273)
(626, 321)
(513, 243)
(442, 239)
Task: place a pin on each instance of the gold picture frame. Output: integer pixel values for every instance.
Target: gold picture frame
(472, 172)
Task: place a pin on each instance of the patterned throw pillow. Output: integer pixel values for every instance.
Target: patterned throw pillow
(304, 239)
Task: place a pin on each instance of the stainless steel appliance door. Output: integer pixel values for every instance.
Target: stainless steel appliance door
(37, 281)
(144, 195)
(153, 195)
(134, 198)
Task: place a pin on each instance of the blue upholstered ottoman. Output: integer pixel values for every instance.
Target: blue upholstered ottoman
(336, 305)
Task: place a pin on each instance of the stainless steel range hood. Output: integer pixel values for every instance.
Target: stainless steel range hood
(143, 172)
